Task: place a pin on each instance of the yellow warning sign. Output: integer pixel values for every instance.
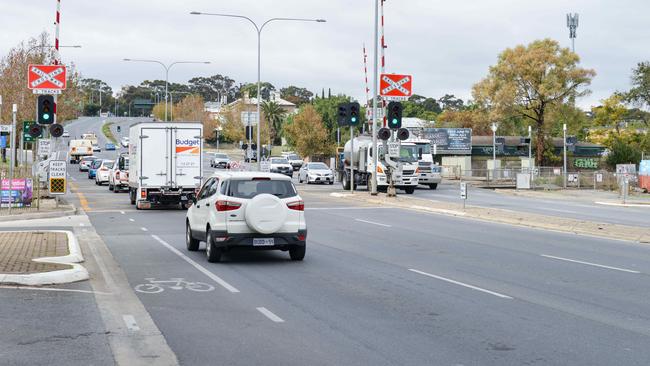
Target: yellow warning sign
(57, 186)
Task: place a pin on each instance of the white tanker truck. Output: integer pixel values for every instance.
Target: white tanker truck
(405, 178)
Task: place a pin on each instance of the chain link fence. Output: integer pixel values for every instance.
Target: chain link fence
(544, 177)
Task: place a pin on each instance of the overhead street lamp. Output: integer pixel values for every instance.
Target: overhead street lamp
(166, 67)
(259, 37)
(48, 46)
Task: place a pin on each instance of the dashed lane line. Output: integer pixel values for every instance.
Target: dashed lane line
(589, 263)
(372, 223)
(270, 315)
(462, 284)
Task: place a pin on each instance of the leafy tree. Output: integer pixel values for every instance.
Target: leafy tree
(527, 81)
(622, 152)
(296, 95)
(475, 118)
(610, 113)
(309, 134)
(274, 114)
(91, 109)
(450, 102)
(327, 108)
(251, 89)
(639, 95)
(212, 88)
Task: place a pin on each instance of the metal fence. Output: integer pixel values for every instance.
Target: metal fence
(543, 177)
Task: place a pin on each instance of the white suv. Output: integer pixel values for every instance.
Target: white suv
(247, 209)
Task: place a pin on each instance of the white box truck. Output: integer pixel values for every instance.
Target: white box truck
(430, 174)
(165, 163)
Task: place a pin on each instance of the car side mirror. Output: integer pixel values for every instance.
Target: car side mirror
(193, 199)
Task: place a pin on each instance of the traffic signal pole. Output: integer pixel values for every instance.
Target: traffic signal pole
(375, 83)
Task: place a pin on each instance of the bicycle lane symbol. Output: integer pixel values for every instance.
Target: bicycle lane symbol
(157, 286)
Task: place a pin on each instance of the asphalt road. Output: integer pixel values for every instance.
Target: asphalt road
(385, 286)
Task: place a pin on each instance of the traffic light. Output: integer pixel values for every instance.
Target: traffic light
(45, 109)
(354, 116)
(403, 134)
(35, 131)
(342, 115)
(119, 129)
(395, 115)
(383, 133)
(254, 146)
(56, 130)
(244, 146)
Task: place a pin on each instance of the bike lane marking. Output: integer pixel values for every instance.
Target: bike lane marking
(270, 315)
(202, 269)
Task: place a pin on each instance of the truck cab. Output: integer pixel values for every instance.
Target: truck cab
(430, 173)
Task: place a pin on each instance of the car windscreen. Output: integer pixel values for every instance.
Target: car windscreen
(293, 157)
(317, 166)
(109, 164)
(251, 188)
(279, 161)
(96, 164)
(425, 148)
(221, 156)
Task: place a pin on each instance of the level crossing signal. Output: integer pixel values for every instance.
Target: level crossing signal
(395, 111)
(45, 109)
(349, 114)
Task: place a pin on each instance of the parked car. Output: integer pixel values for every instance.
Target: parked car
(280, 165)
(315, 173)
(85, 162)
(124, 141)
(295, 160)
(109, 146)
(220, 160)
(96, 148)
(92, 168)
(118, 178)
(102, 172)
(247, 209)
(65, 134)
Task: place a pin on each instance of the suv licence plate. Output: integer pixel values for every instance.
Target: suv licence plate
(259, 242)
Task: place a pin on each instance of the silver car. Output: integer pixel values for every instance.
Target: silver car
(315, 173)
(220, 160)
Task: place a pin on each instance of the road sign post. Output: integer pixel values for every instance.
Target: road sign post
(463, 192)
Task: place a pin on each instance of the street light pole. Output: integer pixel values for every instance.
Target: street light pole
(167, 67)
(530, 145)
(494, 148)
(375, 76)
(564, 175)
(259, 58)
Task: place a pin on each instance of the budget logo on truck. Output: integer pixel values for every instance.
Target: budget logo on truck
(188, 146)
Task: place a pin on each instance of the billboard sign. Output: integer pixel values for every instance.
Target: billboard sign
(450, 141)
(21, 192)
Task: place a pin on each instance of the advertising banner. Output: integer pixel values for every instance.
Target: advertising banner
(21, 192)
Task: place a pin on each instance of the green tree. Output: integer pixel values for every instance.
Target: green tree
(622, 152)
(527, 81)
(296, 95)
(251, 89)
(610, 113)
(274, 114)
(639, 94)
(309, 134)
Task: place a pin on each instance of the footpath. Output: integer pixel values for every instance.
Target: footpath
(531, 220)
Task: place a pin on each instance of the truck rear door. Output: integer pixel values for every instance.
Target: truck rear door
(154, 155)
(186, 164)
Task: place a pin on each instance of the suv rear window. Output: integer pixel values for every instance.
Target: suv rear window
(251, 188)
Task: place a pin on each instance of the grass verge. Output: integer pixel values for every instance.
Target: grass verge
(106, 130)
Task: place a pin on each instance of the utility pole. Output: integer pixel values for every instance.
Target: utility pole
(564, 175)
(375, 88)
(13, 153)
(572, 24)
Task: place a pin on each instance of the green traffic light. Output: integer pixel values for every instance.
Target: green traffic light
(354, 119)
(46, 116)
(394, 121)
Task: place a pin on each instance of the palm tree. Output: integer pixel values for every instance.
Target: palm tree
(275, 115)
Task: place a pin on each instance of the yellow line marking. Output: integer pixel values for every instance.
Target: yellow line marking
(82, 199)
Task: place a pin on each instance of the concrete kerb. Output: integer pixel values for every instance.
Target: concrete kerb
(74, 274)
(558, 224)
(40, 215)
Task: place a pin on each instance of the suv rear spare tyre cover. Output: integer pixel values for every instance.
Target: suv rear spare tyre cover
(265, 213)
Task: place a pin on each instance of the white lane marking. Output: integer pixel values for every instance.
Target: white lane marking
(122, 212)
(82, 224)
(590, 264)
(144, 229)
(130, 322)
(202, 269)
(622, 204)
(132, 220)
(55, 289)
(270, 315)
(372, 223)
(347, 208)
(461, 284)
(73, 178)
(555, 210)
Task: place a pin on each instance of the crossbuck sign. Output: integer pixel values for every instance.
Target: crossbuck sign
(46, 79)
(392, 85)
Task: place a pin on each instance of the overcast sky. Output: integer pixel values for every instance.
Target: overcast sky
(446, 45)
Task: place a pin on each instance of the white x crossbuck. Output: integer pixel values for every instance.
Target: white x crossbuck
(395, 85)
(44, 76)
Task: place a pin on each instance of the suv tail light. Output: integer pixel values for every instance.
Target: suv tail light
(143, 193)
(297, 205)
(227, 205)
